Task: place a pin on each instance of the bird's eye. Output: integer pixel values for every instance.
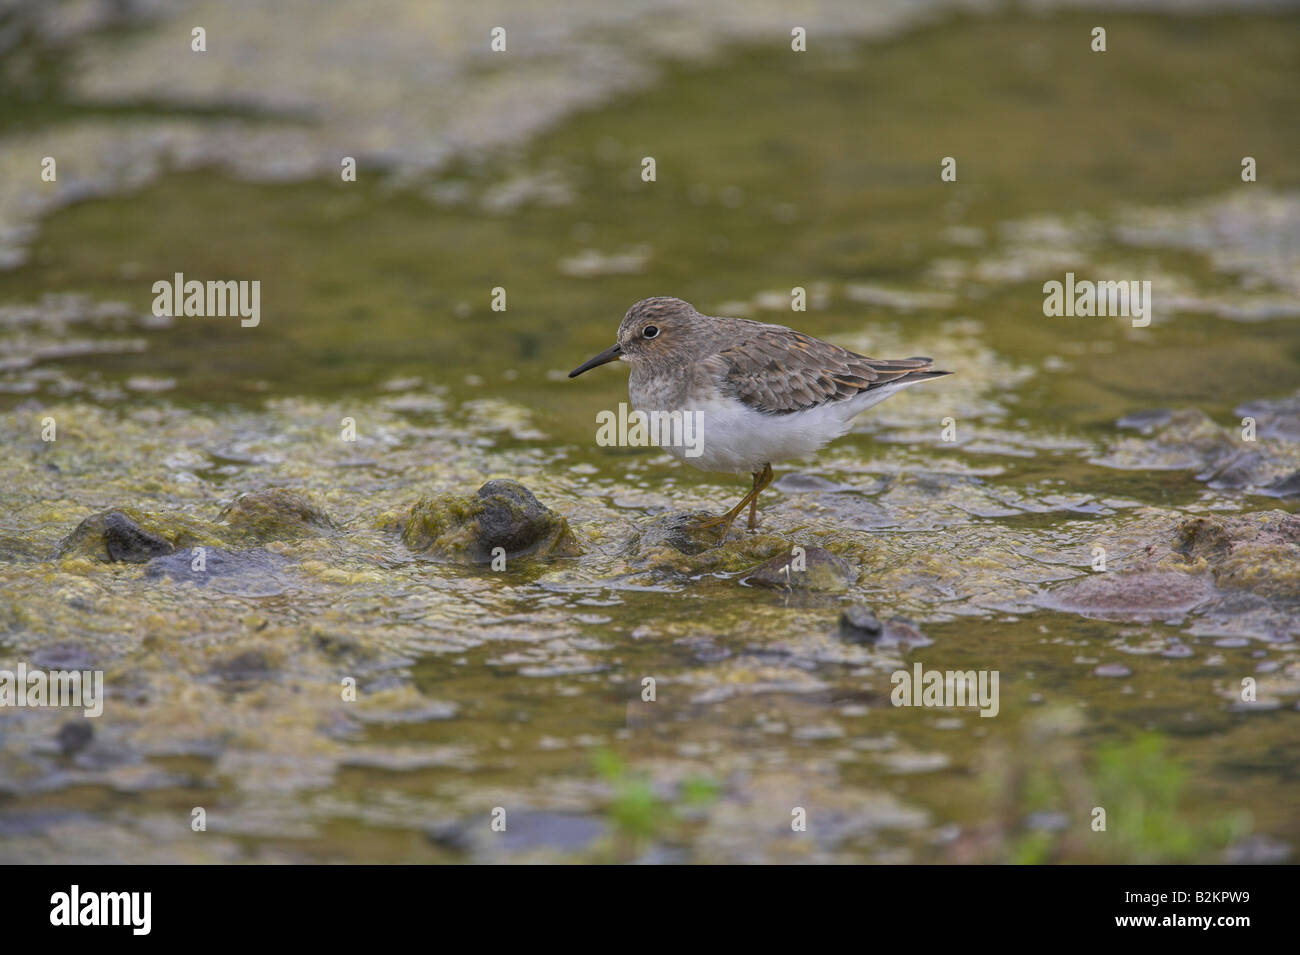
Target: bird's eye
(650, 331)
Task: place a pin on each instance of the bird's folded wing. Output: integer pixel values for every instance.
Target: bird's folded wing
(780, 374)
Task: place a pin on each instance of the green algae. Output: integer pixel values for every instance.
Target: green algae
(503, 520)
(275, 514)
(88, 539)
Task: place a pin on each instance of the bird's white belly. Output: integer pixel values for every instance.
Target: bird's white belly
(734, 438)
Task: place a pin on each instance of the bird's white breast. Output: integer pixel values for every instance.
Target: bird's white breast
(733, 437)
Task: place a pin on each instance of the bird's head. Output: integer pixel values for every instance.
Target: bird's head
(649, 332)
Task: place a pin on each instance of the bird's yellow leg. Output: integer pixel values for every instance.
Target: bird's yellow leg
(761, 480)
(729, 518)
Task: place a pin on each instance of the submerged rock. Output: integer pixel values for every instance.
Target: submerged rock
(1278, 418)
(249, 573)
(681, 532)
(674, 544)
(1189, 439)
(75, 736)
(1288, 486)
(1239, 573)
(502, 514)
(1258, 553)
(805, 569)
(860, 625)
(114, 535)
(275, 514)
(1131, 595)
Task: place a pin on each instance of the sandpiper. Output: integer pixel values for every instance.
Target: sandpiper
(761, 393)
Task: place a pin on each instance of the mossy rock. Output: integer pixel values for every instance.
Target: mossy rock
(1264, 556)
(502, 514)
(1201, 537)
(812, 569)
(676, 544)
(275, 514)
(130, 536)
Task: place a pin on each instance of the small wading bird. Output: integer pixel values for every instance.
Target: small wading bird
(759, 393)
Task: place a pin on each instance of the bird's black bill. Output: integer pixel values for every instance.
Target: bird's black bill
(609, 354)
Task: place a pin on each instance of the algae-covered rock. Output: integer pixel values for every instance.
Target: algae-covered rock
(127, 541)
(1258, 552)
(502, 514)
(115, 535)
(276, 513)
(1171, 440)
(1139, 595)
(1189, 438)
(805, 569)
(1198, 537)
(680, 532)
(676, 544)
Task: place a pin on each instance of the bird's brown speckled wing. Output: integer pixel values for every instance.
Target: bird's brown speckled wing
(777, 370)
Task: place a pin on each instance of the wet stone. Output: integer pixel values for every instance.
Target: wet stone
(74, 737)
(1143, 594)
(1288, 486)
(114, 535)
(902, 633)
(1262, 556)
(275, 514)
(502, 514)
(1201, 537)
(1245, 469)
(1278, 418)
(1190, 439)
(528, 830)
(859, 624)
(681, 532)
(127, 541)
(821, 571)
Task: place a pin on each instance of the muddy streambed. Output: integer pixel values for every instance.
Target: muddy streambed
(1096, 523)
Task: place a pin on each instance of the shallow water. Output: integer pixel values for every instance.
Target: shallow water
(522, 688)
